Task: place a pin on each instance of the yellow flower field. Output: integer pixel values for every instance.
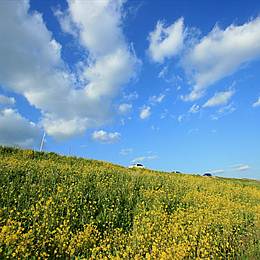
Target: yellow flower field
(53, 206)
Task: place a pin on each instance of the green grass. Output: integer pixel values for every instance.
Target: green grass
(53, 206)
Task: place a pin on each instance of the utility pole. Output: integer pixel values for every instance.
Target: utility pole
(42, 142)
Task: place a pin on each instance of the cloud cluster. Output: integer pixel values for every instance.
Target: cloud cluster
(221, 53)
(208, 59)
(105, 137)
(31, 63)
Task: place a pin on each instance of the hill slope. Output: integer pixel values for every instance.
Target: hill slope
(54, 206)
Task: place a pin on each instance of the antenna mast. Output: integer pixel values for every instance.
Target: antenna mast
(42, 142)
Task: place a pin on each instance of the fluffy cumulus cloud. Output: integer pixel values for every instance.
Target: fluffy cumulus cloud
(145, 112)
(221, 53)
(208, 59)
(220, 98)
(166, 42)
(257, 103)
(63, 129)
(31, 63)
(16, 130)
(6, 101)
(105, 137)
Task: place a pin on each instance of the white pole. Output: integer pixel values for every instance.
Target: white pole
(42, 142)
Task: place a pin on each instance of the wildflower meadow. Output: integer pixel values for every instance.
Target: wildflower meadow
(54, 206)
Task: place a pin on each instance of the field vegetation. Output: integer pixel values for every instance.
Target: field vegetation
(54, 206)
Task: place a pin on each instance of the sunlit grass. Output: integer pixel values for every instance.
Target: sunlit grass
(64, 207)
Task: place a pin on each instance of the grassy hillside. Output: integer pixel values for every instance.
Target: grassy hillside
(54, 206)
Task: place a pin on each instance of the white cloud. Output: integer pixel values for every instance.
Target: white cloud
(155, 128)
(62, 129)
(166, 42)
(180, 118)
(163, 73)
(66, 23)
(223, 111)
(219, 98)
(193, 131)
(126, 151)
(105, 137)
(16, 130)
(172, 79)
(164, 114)
(4, 100)
(31, 63)
(240, 167)
(145, 112)
(218, 171)
(131, 96)
(144, 158)
(194, 109)
(157, 99)
(124, 108)
(221, 53)
(257, 103)
(99, 23)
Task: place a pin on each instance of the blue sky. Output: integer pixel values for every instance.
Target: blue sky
(174, 85)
